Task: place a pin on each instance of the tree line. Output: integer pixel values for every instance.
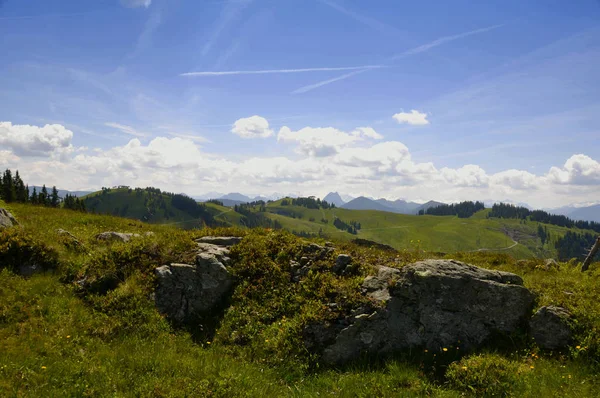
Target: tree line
(14, 189)
(252, 219)
(574, 245)
(310, 203)
(462, 210)
(503, 210)
(352, 227)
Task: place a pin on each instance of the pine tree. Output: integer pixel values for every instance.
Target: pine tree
(8, 187)
(34, 197)
(43, 197)
(20, 193)
(54, 199)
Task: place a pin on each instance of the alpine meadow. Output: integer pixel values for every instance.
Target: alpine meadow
(300, 198)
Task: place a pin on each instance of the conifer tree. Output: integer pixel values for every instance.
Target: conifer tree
(43, 197)
(54, 198)
(8, 187)
(34, 197)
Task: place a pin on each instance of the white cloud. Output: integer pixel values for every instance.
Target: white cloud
(324, 141)
(26, 140)
(578, 169)
(329, 160)
(136, 3)
(516, 179)
(469, 175)
(413, 117)
(252, 127)
(125, 129)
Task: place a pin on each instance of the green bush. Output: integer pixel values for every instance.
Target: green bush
(18, 249)
(485, 375)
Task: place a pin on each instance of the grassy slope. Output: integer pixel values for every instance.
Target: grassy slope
(54, 343)
(431, 233)
(225, 214)
(127, 203)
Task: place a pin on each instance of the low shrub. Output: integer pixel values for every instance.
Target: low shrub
(18, 250)
(485, 375)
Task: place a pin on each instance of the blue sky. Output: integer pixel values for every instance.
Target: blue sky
(456, 99)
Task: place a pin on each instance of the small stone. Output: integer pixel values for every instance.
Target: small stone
(116, 236)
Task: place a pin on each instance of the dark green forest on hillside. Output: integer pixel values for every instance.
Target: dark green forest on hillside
(149, 205)
(503, 210)
(462, 210)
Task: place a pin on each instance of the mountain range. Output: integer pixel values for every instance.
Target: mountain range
(61, 192)
(397, 206)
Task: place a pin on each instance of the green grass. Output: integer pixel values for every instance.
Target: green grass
(445, 234)
(58, 339)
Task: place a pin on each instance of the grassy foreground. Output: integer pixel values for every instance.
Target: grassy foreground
(60, 339)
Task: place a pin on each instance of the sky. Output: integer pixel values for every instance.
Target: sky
(430, 100)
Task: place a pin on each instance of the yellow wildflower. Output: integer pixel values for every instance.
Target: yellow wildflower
(43, 368)
(444, 349)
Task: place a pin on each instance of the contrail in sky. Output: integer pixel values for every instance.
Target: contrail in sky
(413, 51)
(275, 71)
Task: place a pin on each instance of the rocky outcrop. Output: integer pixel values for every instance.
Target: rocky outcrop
(112, 236)
(188, 290)
(6, 219)
(431, 304)
(343, 265)
(550, 327)
(225, 241)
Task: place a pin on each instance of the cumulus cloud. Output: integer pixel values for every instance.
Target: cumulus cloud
(324, 141)
(26, 140)
(516, 179)
(329, 159)
(252, 127)
(469, 175)
(413, 117)
(136, 3)
(578, 169)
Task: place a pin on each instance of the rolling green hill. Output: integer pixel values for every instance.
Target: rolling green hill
(440, 234)
(430, 233)
(150, 205)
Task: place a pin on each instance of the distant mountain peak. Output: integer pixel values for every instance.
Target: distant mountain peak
(335, 198)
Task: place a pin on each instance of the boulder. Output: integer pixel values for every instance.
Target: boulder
(116, 236)
(185, 291)
(225, 241)
(341, 263)
(432, 304)
(315, 252)
(6, 219)
(550, 327)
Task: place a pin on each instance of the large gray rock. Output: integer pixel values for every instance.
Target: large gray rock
(116, 236)
(551, 329)
(225, 241)
(185, 291)
(433, 304)
(6, 219)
